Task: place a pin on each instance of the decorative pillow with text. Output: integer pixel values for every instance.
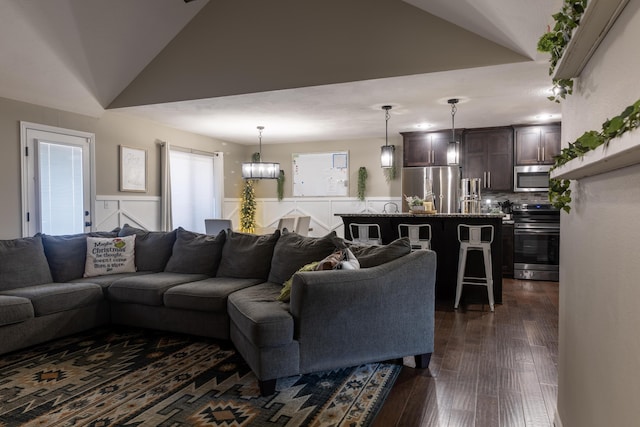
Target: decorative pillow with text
(110, 255)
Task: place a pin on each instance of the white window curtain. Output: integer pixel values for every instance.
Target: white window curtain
(196, 188)
(165, 187)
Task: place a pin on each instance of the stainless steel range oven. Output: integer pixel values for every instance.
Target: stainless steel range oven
(536, 242)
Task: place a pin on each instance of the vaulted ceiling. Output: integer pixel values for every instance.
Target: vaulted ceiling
(307, 71)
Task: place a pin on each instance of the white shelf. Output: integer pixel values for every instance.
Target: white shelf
(596, 21)
(621, 152)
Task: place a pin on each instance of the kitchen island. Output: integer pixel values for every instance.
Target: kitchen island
(444, 241)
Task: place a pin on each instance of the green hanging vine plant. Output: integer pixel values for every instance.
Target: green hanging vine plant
(362, 182)
(390, 173)
(555, 42)
(280, 186)
(628, 120)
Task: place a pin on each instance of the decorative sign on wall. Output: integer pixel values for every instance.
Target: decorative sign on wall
(321, 174)
(133, 169)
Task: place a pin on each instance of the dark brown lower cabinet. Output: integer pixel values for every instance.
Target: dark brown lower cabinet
(507, 250)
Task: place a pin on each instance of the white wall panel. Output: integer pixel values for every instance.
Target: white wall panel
(137, 211)
(322, 211)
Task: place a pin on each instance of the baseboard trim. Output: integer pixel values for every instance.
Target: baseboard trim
(557, 422)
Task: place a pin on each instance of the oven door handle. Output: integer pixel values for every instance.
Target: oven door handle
(550, 231)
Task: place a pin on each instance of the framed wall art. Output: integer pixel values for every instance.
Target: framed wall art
(133, 169)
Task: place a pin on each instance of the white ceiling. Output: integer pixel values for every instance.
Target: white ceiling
(80, 55)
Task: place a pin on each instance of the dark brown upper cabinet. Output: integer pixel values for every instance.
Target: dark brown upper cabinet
(426, 148)
(537, 145)
(487, 153)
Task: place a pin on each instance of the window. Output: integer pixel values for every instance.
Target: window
(196, 188)
(57, 180)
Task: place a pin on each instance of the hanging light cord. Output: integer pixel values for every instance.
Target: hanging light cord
(453, 115)
(260, 129)
(387, 116)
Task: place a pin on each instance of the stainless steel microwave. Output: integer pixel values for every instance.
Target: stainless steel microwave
(531, 178)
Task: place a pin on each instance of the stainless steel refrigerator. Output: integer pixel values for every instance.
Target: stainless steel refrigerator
(443, 181)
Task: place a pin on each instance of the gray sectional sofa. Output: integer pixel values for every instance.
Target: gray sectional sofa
(227, 286)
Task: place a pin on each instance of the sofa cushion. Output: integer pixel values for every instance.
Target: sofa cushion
(372, 255)
(265, 321)
(247, 256)
(56, 297)
(293, 251)
(110, 255)
(148, 289)
(196, 253)
(105, 281)
(206, 295)
(153, 248)
(23, 263)
(14, 310)
(67, 254)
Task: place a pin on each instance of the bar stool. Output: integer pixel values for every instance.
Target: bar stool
(366, 233)
(475, 241)
(419, 235)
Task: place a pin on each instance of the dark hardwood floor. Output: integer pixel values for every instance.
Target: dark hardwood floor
(488, 369)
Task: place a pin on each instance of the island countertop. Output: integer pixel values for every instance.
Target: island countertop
(414, 215)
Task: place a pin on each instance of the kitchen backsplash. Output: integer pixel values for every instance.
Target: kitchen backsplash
(516, 198)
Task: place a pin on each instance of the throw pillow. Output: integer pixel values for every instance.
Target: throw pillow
(196, 253)
(23, 263)
(153, 248)
(372, 255)
(285, 293)
(110, 255)
(332, 261)
(293, 251)
(350, 261)
(247, 256)
(67, 255)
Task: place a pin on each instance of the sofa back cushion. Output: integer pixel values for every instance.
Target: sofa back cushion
(153, 248)
(67, 254)
(293, 251)
(23, 263)
(195, 253)
(247, 256)
(372, 255)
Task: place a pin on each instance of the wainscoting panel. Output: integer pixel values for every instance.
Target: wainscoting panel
(144, 211)
(137, 211)
(322, 211)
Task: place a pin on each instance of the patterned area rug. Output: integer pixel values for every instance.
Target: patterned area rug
(125, 377)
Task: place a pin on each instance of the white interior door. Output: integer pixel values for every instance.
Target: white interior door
(58, 186)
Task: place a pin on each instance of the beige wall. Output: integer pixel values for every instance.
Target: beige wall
(111, 130)
(362, 152)
(599, 353)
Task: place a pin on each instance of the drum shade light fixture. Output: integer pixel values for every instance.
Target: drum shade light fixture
(259, 169)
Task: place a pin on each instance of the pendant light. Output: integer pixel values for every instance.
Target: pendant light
(387, 151)
(259, 169)
(453, 150)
